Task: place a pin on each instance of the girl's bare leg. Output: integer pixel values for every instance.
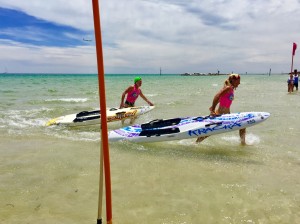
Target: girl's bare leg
(200, 139)
(132, 120)
(243, 136)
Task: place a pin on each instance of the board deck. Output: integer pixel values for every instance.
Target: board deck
(187, 127)
(93, 117)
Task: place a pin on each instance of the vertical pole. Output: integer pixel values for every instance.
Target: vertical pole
(100, 192)
(102, 98)
(293, 53)
(292, 63)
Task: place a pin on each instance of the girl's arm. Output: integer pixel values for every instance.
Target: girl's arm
(124, 94)
(145, 98)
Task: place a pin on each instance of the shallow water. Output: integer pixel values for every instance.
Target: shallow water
(50, 174)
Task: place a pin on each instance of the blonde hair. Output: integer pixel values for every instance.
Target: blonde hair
(230, 78)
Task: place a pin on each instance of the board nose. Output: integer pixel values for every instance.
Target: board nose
(264, 115)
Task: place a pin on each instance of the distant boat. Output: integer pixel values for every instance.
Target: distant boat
(5, 71)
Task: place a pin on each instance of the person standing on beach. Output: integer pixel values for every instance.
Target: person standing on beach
(224, 98)
(133, 92)
(290, 83)
(296, 78)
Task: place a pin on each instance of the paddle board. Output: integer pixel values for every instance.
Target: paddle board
(93, 117)
(187, 127)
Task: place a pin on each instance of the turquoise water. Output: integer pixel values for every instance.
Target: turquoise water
(50, 174)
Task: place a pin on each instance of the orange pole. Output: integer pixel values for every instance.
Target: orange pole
(102, 98)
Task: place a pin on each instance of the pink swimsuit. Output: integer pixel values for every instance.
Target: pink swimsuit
(226, 99)
(133, 95)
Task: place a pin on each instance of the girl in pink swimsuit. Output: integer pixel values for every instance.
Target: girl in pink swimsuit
(224, 98)
(132, 96)
(133, 92)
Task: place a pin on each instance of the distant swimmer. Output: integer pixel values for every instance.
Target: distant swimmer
(86, 39)
(296, 78)
(290, 83)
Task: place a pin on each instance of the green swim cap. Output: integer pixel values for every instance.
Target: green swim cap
(136, 79)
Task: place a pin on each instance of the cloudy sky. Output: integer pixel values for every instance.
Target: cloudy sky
(142, 36)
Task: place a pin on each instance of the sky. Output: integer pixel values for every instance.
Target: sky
(144, 36)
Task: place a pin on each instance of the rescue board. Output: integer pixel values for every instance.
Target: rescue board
(187, 127)
(93, 117)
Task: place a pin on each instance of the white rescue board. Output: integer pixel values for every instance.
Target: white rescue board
(187, 127)
(93, 117)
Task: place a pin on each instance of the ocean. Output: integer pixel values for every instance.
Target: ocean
(51, 174)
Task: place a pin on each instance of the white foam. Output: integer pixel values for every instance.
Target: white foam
(76, 100)
(76, 136)
(23, 118)
(251, 139)
(231, 139)
(190, 142)
(151, 95)
(141, 148)
(171, 103)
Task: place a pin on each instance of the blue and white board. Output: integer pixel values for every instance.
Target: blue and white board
(187, 127)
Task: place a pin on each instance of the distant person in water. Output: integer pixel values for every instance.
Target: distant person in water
(224, 98)
(290, 83)
(295, 80)
(133, 92)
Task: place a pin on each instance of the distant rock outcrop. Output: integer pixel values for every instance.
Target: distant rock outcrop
(201, 74)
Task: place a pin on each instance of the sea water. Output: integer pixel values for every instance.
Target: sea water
(51, 174)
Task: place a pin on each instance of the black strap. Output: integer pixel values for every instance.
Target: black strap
(87, 113)
(82, 119)
(160, 123)
(206, 117)
(158, 132)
